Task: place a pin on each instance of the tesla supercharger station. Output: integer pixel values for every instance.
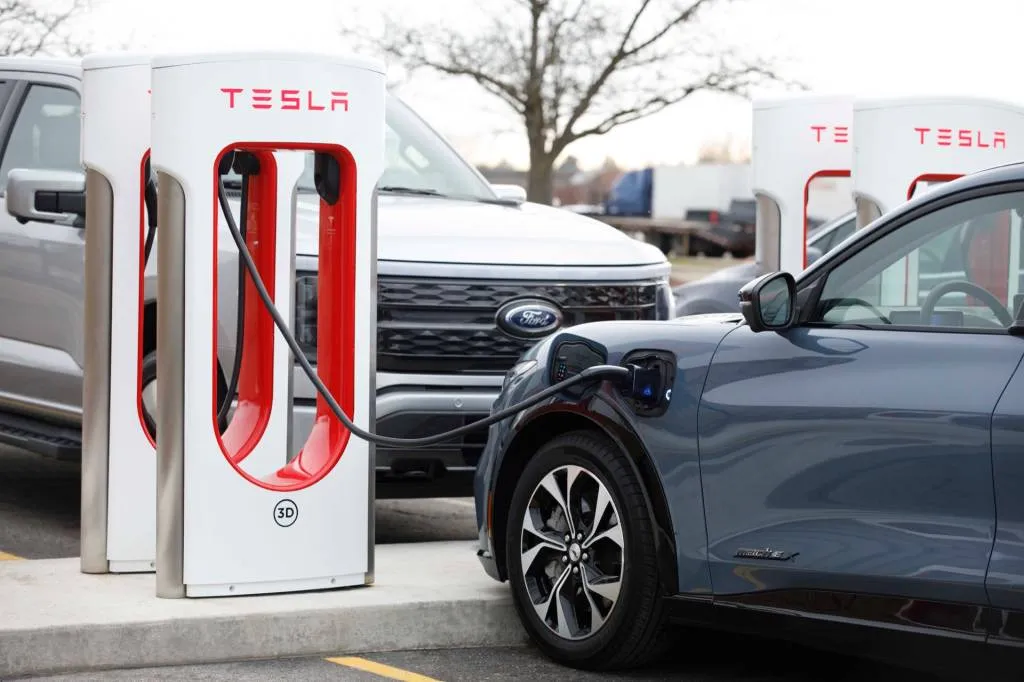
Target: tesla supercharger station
(905, 143)
(118, 529)
(795, 141)
(223, 528)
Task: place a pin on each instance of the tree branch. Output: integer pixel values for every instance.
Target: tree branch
(577, 68)
(28, 30)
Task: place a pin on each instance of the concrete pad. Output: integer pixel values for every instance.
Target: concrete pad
(55, 619)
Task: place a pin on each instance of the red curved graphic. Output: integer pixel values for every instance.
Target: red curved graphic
(807, 193)
(930, 177)
(326, 443)
(256, 374)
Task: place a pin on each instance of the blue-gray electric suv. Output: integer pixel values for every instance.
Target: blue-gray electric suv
(846, 452)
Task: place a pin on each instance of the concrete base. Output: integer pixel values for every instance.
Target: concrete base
(55, 619)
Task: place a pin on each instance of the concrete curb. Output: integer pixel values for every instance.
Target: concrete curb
(54, 619)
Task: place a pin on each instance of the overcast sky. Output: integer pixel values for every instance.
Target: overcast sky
(860, 47)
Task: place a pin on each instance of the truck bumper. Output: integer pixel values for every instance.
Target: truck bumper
(413, 406)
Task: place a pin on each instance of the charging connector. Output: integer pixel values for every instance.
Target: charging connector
(652, 377)
(647, 388)
(622, 375)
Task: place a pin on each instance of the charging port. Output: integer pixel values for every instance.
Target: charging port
(653, 377)
(570, 357)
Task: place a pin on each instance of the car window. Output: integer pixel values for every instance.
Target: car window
(840, 234)
(959, 254)
(46, 133)
(823, 242)
(418, 158)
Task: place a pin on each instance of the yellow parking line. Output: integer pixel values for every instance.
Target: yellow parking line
(4, 556)
(380, 669)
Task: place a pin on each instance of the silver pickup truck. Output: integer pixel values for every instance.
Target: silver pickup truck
(469, 276)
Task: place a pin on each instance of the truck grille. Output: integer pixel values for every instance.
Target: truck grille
(448, 325)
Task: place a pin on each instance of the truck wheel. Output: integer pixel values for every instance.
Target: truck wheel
(149, 392)
(581, 556)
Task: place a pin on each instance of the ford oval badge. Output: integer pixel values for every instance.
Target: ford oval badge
(529, 319)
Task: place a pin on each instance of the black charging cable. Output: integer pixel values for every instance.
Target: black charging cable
(149, 196)
(245, 165)
(588, 375)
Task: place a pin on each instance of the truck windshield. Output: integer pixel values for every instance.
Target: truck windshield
(418, 160)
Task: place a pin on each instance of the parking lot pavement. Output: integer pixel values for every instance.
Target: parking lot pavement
(40, 498)
(695, 659)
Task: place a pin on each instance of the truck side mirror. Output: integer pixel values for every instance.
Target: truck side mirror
(513, 193)
(49, 196)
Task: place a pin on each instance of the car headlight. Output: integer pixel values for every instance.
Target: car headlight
(665, 301)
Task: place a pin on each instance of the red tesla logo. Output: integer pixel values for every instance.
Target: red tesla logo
(286, 100)
(833, 134)
(961, 137)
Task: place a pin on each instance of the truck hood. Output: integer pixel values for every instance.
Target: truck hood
(440, 230)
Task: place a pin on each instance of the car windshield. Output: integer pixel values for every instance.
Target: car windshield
(417, 161)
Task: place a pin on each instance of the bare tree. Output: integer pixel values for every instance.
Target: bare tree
(570, 69)
(35, 27)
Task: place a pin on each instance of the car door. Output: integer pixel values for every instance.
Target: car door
(1005, 578)
(850, 454)
(41, 264)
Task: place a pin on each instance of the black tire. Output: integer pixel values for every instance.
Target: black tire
(148, 371)
(629, 635)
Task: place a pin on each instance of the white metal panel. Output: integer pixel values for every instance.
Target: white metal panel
(795, 140)
(116, 107)
(904, 142)
(203, 104)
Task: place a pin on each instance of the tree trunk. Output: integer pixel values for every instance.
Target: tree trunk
(540, 178)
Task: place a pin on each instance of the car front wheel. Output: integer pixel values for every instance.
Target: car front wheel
(581, 555)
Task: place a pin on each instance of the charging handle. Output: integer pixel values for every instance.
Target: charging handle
(327, 177)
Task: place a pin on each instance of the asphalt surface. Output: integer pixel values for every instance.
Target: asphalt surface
(696, 659)
(39, 518)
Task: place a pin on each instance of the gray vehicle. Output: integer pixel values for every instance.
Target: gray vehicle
(839, 463)
(717, 293)
(459, 260)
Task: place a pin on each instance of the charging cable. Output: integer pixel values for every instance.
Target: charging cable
(149, 195)
(589, 374)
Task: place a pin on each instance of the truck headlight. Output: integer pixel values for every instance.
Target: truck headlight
(305, 325)
(665, 301)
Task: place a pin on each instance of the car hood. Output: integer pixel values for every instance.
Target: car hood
(440, 230)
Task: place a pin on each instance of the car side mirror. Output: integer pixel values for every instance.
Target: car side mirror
(767, 303)
(513, 193)
(49, 196)
(813, 254)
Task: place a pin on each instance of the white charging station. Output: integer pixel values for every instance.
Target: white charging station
(118, 528)
(796, 139)
(224, 529)
(905, 143)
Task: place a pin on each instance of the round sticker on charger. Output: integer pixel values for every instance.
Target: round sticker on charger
(285, 513)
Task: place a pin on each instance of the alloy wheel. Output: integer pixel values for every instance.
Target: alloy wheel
(572, 552)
